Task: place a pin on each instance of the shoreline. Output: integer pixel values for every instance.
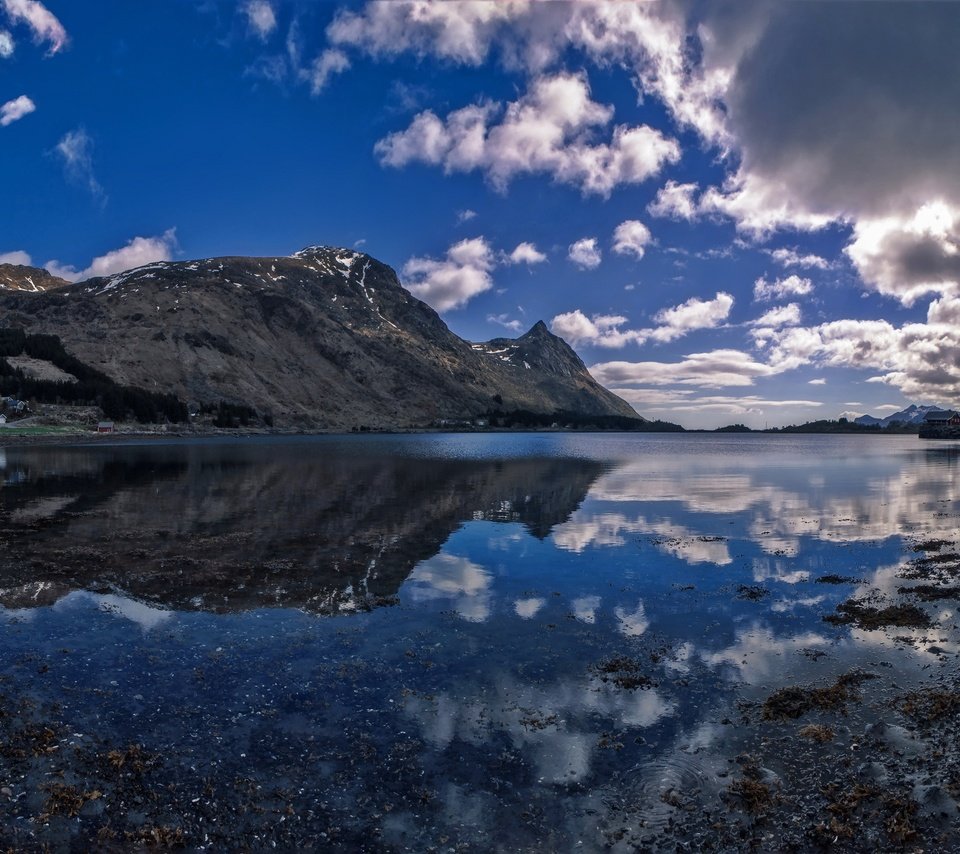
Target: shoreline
(122, 436)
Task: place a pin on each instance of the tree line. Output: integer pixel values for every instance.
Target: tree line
(93, 388)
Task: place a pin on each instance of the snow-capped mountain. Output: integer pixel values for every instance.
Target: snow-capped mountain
(913, 414)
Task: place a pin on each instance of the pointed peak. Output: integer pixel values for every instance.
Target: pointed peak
(537, 330)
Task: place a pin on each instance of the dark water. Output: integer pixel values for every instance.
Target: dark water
(542, 642)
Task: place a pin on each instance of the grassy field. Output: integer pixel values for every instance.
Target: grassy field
(40, 430)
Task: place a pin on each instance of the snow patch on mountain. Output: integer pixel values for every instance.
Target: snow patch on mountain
(913, 414)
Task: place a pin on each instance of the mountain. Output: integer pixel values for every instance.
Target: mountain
(17, 277)
(327, 338)
(913, 414)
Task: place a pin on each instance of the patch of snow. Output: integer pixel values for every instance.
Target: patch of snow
(363, 278)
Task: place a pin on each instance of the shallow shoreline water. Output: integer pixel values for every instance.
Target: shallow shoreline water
(481, 642)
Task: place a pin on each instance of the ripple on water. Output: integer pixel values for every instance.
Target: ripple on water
(667, 788)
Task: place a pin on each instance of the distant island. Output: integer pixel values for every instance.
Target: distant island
(840, 425)
(906, 421)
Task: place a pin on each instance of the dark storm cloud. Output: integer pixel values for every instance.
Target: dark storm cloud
(853, 106)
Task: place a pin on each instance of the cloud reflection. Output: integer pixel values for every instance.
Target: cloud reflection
(528, 608)
(585, 530)
(632, 623)
(447, 576)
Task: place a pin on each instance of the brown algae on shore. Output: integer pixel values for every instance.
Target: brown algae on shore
(818, 733)
(623, 672)
(929, 705)
(794, 702)
(863, 616)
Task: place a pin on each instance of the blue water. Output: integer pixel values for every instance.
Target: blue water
(400, 642)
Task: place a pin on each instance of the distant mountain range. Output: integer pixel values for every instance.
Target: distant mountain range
(913, 414)
(327, 338)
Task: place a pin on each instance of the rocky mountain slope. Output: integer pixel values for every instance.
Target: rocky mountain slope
(17, 277)
(327, 338)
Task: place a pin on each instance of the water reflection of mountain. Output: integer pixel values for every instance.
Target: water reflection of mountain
(228, 528)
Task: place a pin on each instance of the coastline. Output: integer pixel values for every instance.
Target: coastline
(9, 437)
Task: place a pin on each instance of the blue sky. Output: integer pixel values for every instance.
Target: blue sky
(735, 212)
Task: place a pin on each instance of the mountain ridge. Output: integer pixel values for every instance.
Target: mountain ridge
(21, 277)
(913, 414)
(326, 338)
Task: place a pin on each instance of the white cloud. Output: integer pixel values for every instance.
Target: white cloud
(682, 401)
(6, 45)
(713, 369)
(780, 288)
(260, 17)
(76, 152)
(548, 131)
(453, 281)
(585, 253)
(792, 258)
(675, 201)
(526, 253)
(806, 151)
(693, 314)
(647, 38)
(606, 330)
(136, 253)
(454, 31)
(600, 330)
(505, 321)
(919, 359)
(817, 381)
(465, 272)
(909, 256)
(760, 206)
(41, 21)
(631, 238)
(329, 63)
(784, 315)
(944, 311)
(16, 257)
(15, 110)
(465, 216)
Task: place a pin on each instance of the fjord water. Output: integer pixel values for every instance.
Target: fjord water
(509, 642)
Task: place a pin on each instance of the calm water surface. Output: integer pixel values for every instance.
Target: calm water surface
(491, 642)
